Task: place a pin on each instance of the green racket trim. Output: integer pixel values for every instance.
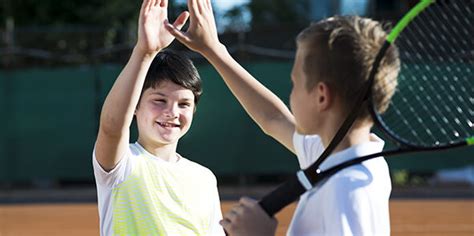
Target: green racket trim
(407, 19)
(470, 141)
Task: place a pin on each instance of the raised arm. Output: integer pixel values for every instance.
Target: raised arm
(119, 106)
(265, 108)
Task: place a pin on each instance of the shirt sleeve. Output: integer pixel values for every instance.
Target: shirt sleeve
(348, 208)
(215, 228)
(307, 148)
(116, 175)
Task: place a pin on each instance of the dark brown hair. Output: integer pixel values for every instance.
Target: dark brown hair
(175, 67)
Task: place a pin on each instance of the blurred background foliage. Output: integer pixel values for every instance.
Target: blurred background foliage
(79, 32)
(58, 59)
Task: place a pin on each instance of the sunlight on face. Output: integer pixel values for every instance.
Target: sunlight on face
(301, 100)
(165, 113)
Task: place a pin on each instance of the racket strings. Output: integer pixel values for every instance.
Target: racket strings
(414, 96)
(434, 101)
(460, 45)
(454, 69)
(453, 29)
(428, 95)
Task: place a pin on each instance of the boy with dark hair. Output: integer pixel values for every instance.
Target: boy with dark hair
(146, 188)
(333, 59)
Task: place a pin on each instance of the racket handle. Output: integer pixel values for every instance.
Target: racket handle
(282, 196)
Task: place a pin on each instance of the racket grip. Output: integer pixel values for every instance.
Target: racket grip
(282, 196)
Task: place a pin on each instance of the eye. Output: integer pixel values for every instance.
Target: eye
(184, 104)
(159, 101)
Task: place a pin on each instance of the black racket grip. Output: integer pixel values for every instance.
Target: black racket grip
(282, 196)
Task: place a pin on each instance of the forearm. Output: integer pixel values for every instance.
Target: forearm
(265, 108)
(120, 104)
(260, 103)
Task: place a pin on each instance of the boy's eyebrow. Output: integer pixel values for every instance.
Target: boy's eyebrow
(159, 93)
(164, 95)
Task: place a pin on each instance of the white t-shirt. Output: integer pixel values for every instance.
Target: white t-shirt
(354, 201)
(144, 195)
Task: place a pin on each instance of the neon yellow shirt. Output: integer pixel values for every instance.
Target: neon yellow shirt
(145, 195)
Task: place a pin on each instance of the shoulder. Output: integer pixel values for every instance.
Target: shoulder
(366, 180)
(303, 139)
(197, 168)
(119, 173)
(305, 144)
(307, 148)
(134, 149)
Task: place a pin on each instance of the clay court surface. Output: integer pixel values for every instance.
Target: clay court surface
(408, 217)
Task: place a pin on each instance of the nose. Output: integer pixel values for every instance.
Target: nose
(171, 111)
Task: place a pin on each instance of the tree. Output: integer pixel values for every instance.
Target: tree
(282, 13)
(72, 12)
(236, 19)
(52, 31)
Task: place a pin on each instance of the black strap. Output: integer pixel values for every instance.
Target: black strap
(363, 97)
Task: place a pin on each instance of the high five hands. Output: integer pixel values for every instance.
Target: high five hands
(152, 34)
(201, 35)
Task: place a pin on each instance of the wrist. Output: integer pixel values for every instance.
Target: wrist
(215, 51)
(137, 51)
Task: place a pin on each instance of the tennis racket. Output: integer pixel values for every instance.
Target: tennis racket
(432, 108)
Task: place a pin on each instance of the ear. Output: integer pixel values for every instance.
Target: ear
(323, 96)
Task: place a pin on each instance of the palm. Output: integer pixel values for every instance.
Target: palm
(201, 35)
(152, 36)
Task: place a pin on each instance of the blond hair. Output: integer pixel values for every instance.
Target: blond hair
(340, 51)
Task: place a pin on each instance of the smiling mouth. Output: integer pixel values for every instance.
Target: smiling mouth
(167, 125)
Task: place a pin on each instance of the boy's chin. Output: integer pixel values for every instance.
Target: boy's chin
(161, 141)
(165, 140)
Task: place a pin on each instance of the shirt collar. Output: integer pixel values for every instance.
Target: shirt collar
(374, 145)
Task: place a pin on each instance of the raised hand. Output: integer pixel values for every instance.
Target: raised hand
(152, 35)
(201, 35)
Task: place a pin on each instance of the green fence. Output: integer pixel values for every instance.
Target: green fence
(49, 120)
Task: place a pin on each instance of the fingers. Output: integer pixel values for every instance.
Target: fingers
(239, 210)
(147, 4)
(142, 8)
(181, 20)
(250, 203)
(178, 34)
(246, 201)
(208, 5)
(201, 4)
(235, 220)
(163, 3)
(224, 223)
(231, 218)
(235, 213)
(192, 7)
(227, 225)
(153, 3)
(199, 8)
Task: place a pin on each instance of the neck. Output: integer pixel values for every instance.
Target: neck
(359, 133)
(166, 152)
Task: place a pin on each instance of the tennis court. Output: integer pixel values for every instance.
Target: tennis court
(408, 218)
